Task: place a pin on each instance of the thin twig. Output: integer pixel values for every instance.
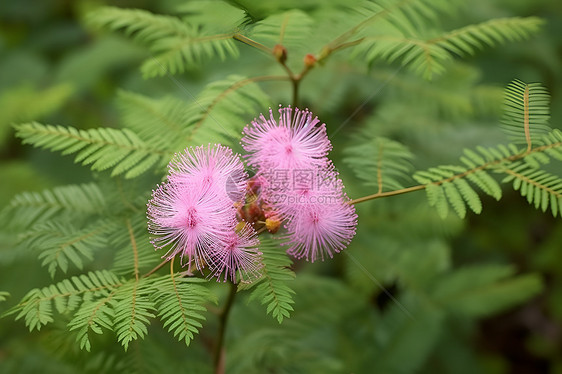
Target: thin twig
(155, 269)
(511, 158)
(252, 43)
(387, 194)
(223, 319)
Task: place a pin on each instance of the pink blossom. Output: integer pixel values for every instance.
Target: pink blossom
(296, 142)
(191, 219)
(212, 166)
(239, 254)
(319, 229)
(317, 186)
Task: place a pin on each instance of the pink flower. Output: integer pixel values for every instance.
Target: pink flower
(239, 254)
(303, 187)
(321, 228)
(214, 166)
(296, 142)
(299, 183)
(191, 219)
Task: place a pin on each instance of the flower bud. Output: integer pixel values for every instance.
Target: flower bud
(254, 212)
(309, 60)
(280, 53)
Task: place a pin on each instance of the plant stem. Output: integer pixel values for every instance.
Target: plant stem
(155, 269)
(386, 194)
(295, 93)
(223, 319)
(252, 43)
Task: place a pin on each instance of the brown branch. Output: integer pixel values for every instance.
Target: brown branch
(155, 269)
(223, 319)
(534, 183)
(401, 191)
(252, 43)
(387, 194)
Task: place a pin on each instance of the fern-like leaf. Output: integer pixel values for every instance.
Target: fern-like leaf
(29, 208)
(380, 162)
(61, 243)
(526, 113)
(467, 40)
(176, 44)
(180, 304)
(134, 252)
(103, 148)
(271, 288)
(543, 190)
(37, 306)
(428, 57)
(4, 295)
(163, 122)
(552, 144)
(133, 309)
(216, 15)
(92, 316)
(446, 185)
(222, 109)
(290, 28)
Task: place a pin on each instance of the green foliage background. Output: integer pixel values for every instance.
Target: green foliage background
(418, 290)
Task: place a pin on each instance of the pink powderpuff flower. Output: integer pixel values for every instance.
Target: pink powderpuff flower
(239, 254)
(320, 227)
(214, 166)
(316, 186)
(190, 218)
(296, 142)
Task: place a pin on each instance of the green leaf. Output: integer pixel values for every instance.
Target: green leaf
(447, 184)
(180, 303)
(176, 44)
(162, 122)
(526, 113)
(133, 309)
(66, 296)
(222, 109)
(290, 28)
(92, 316)
(399, 39)
(379, 161)
(542, 189)
(4, 295)
(103, 148)
(61, 243)
(29, 208)
(272, 287)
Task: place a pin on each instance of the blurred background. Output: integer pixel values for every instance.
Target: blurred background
(55, 69)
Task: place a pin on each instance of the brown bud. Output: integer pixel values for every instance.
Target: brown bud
(280, 53)
(309, 60)
(254, 212)
(272, 224)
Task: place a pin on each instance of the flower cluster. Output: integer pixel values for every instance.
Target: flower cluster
(208, 210)
(193, 214)
(299, 183)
